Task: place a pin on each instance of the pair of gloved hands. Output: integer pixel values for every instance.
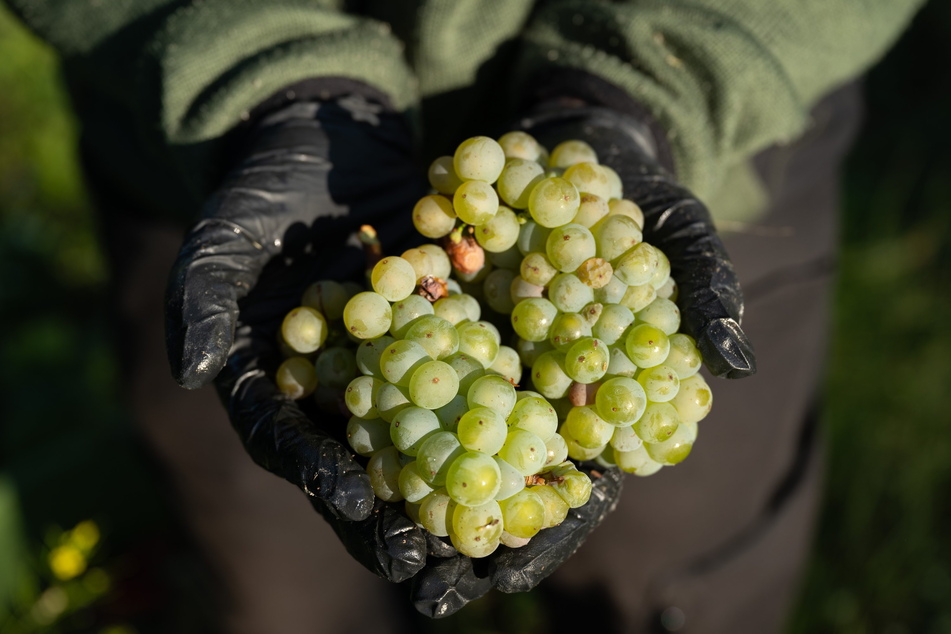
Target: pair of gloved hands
(308, 174)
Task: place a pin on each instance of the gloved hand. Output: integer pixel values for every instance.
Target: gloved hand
(309, 174)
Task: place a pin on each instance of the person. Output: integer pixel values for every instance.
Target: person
(274, 129)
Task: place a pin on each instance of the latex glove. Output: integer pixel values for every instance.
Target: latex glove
(310, 174)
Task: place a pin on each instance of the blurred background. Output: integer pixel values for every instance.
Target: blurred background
(87, 543)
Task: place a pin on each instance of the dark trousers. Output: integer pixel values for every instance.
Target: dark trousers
(716, 544)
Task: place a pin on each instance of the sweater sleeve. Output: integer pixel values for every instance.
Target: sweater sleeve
(178, 75)
(723, 78)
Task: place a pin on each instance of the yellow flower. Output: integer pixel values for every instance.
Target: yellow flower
(67, 562)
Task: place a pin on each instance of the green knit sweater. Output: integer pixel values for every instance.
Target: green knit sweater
(158, 83)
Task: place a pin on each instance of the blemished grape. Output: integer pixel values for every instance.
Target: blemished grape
(442, 267)
(568, 246)
(684, 357)
(525, 451)
(523, 513)
(367, 436)
(522, 145)
(658, 422)
(553, 202)
(479, 159)
(360, 396)
(646, 345)
(437, 336)
(572, 485)
(568, 293)
(482, 429)
(367, 315)
(567, 329)
(473, 478)
(694, 399)
(305, 329)
(442, 176)
(394, 278)
(660, 383)
(327, 297)
(516, 181)
(433, 385)
(532, 318)
(434, 216)
(477, 528)
(587, 360)
(589, 178)
(296, 377)
(537, 269)
(620, 401)
(595, 272)
(568, 153)
(500, 232)
(475, 202)
(435, 512)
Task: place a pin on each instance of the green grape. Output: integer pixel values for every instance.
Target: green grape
(475, 202)
(684, 357)
(529, 351)
(612, 292)
(471, 305)
(412, 486)
(627, 208)
(296, 378)
(433, 385)
(477, 529)
(438, 337)
(516, 181)
(661, 313)
(525, 451)
(614, 182)
(615, 235)
(637, 461)
(620, 401)
(511, 480)
(497, 290)
(534, 414)
(595, 272)
(400, 360)
(367, 315)
(521, 290)
(568, 246)
(620, 365)
(637, 265)
(335, 367)
(500, 232)
(523, 514)
(450, 413)
(435, 512)
(557, 450)
(668, 290)
(625, 439)
(592, 313)
(410, 428)
(592, 209)
(606, 458)
(384, 470)
(360, 396)
(510, 258)
(442, 267)
(537, 269)
(479, 159)
(660, 383)
(479, 341)
(674, 449)
(589, 178)
(566, 329)
(613, 323)
(556, 509)
(662, 273)
(434, 216)
(305, 330)
(637, 298)
(394, 278)
(570, 483)
(367, 436)
(576, 451)
(493, 392)
(453, 309)
(549, 376)
(532, 237)
(442, 175)
(390, 400)
(326, 297)
(587, 428)
(473, 478)
(421, 261)
(532, 318)
(553, 202)
(568, 293)
(568, 153)
(406, 311)
(658, 422)
(521, 145)
(468, 369)
(646, 345)
(587, 360)
(507, 365)
(482, 429)
(694, 400)
(435, 455)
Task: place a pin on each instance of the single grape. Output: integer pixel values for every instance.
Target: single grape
(587, 360)
(296, 378)
(570, 483)
(394, 278)
(589, 178)
(568, 246)
(534, 414)
(566, 329)
(525, 451)
(410, 428)
(367, 315)
(553, 202)
(500, 232)
(613, 323)
(694, 399)
(568, 293)
(442, 175)
(620, 401)
(507, 365)
(450, 413)
(521, 145)
(587, 428)
(661, 313)
(473, 478)
(592, 209)
(326, 297)
(512, 481)
(637, 298)
(384, 470)
(336, 367)
(646, 345)
(493, 392)
(435, 455)
(568, 153)
(549, 376)
(660, 383)
(637, 265)
(360, 396)
(684, 357)
(442, 267)
(406, 311)
(435, 512)
(479, 159)
(615, 235)
(557, 450)
(477, 529)
(532, 237)
(612, 292)
(532, 318)
(625, 439)
(620, 364)
(668, 290)
(615, 182)
(454, 309)
(637, 461)
(479, 341)
(510, 258)
(412, 486)
(576, 451)
(523, 513)
(658, 422)
(497, 290)
(400, 359)
(421, 261)
(662, 273)
(475, 202)
(595, 272)
(482, 429)
(438, 337)
(304, 329)
(627, 208)
(556, 509)
(537, 269)
(521, 290)
(516, 181)
(529, 351)
(367, 436)
(433, 385)
(434, 216)
(673, 450)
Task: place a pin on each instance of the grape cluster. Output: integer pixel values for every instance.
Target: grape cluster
(542, 251)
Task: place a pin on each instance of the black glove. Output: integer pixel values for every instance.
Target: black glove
(310, 173)
(626, 139)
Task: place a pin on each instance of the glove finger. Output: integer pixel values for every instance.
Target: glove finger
(445, 586)
(521, 569)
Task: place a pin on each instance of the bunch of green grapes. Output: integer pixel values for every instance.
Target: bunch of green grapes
(590, 303)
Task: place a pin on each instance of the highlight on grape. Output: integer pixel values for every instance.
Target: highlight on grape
(540, 330)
